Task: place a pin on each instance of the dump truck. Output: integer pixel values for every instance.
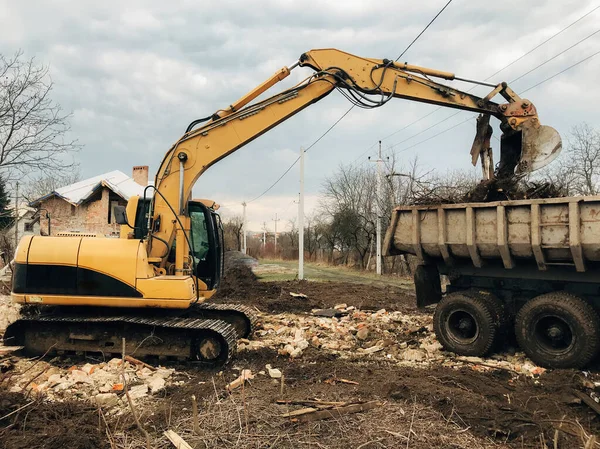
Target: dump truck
(528, 269)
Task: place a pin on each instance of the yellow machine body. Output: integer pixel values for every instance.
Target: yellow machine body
(85, 271)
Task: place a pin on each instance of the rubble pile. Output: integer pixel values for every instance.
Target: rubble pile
(9, 311)
(407, 340)
(100, 383)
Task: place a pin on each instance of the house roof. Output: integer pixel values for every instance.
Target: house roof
(79, 192)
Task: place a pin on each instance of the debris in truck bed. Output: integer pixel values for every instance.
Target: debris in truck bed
(496, 189)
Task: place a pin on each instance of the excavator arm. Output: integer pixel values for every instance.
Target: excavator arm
(368, 83)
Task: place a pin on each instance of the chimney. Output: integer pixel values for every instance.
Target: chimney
(140, 175)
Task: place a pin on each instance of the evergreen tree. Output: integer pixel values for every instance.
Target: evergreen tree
(6, 211)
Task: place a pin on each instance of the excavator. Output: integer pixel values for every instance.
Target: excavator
(147, 292)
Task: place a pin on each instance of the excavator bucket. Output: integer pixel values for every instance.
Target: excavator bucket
(540, 145)
(530, 148)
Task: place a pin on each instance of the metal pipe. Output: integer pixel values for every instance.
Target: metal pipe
(181, 175)
(482, 83)
(293, 66)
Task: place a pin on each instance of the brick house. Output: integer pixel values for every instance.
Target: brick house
(88, 206)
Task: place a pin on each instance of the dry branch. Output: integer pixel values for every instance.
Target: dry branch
(177, 441)
(313, 414)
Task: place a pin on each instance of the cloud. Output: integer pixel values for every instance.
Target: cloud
(135, 73)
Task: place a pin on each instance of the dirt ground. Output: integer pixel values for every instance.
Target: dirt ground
(240, 285)
(436, 400)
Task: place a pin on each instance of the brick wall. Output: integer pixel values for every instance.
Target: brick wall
(92, 216)
(140, 175)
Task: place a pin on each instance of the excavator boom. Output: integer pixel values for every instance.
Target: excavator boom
(368, 83)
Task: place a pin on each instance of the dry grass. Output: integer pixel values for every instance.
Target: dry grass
(247, 421)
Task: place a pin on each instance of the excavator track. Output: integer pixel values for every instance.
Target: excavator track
(243, 318)
(205, 341)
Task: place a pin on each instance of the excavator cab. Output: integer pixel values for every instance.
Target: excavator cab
(206, 239)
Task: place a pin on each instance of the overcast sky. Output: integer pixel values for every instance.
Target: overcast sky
(135, 73)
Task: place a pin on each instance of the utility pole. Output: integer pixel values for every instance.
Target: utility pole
(378, 210)
(301, 219)
(276, 220)
(264, 234)
(244, 230)
(16, 219)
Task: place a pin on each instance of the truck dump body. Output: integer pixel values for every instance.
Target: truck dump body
(551, 232)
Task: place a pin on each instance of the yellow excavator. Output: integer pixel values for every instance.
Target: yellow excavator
(151, 285)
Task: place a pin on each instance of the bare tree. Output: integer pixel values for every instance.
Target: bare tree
(584, 159)
(42, 185)
(232, 229)
(33, 127)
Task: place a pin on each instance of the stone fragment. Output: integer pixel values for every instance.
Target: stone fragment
(79, 376)
(274, 373)
(106, 399)
(54, 379)
(88, 368)
(413, 355)
(138, 391)
(155, 383)
(362, 333)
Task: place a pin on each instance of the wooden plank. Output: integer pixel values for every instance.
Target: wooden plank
(336, 412)
(575, 236)
(536, 238)
(588, 401)
(417, 234)
(507, 259)
(310, 402)
(389, 248)
(471, 238)
(302, 411)
(443, 236)
(177, 441)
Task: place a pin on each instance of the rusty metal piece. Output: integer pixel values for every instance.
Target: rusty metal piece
(482, 137)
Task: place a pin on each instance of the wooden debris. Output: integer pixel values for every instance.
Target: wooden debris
(313, 403)
(302, 411)
(346, 381)
(177, 441)
(314, 414)
(244, 376)
(588, 401)
(298, 295)
(138, 362)
(4, 350)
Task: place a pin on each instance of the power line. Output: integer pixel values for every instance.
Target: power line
(522, 92)
(555, 56)
(298, 158)
(545, 42)
(502, 69)
(348, 111)
(561, 72)
(424, 29)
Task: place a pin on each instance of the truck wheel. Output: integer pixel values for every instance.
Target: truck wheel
(558, 330)
(468, 323)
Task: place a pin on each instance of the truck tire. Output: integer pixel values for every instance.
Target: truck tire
(558, 330)
(469, 323)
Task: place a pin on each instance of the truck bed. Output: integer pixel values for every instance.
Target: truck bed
(557, 231)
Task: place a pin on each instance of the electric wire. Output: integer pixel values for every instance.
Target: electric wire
(522, 92)
(343, 82)
(555, 56)
(498, 71)
(424, 29)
